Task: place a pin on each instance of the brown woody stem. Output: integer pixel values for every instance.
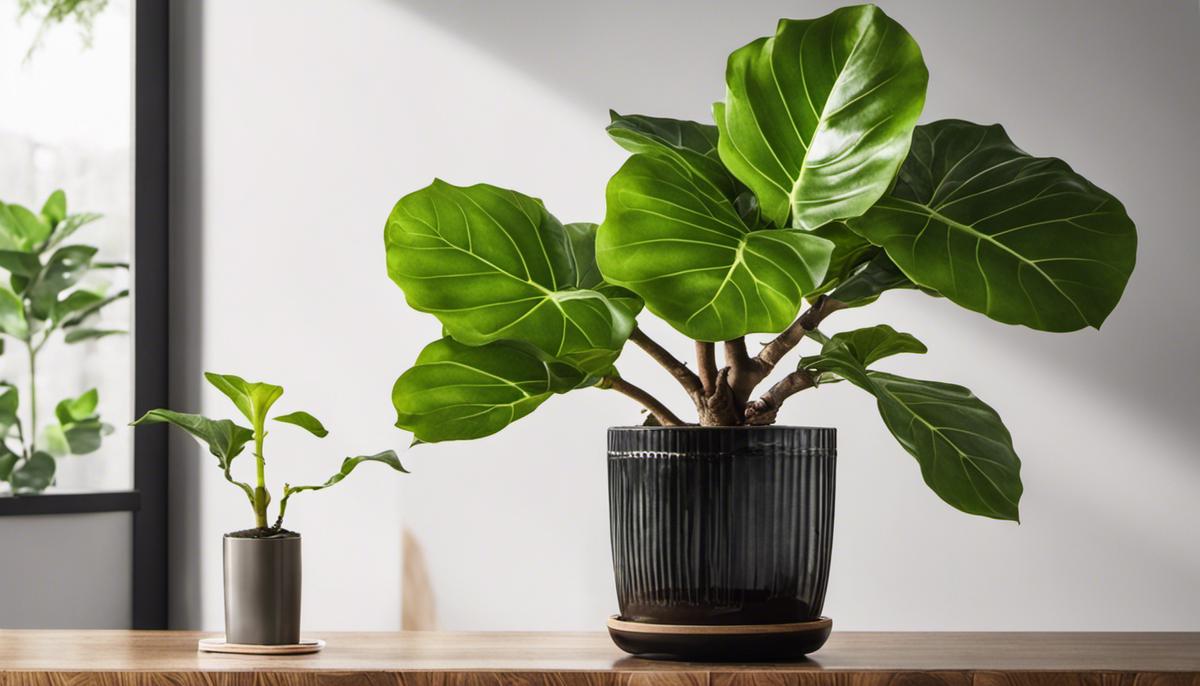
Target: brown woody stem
(663, 414)
(685, 377)
(763, 410)
(706, 362)
(763, 363)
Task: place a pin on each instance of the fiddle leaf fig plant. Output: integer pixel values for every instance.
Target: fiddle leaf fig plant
(47, 293)
(226, 439)
(814, 191)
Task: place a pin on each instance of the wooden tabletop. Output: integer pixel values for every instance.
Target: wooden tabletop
(848, 659)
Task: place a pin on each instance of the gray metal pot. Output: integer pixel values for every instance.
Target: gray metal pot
(262, 590)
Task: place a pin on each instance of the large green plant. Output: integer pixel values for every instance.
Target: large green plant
(226, 440)
(815, 191)
(45, 295)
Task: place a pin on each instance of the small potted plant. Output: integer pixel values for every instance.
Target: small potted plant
(262, 564)
(47, 295)
(815, 191)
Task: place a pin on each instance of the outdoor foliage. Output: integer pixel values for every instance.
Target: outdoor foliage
(226, 439)
(815, 191)
(44, 295)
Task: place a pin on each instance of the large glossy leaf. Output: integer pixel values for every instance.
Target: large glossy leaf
(691, 143)
(456, 391)
(850, 251)
(677, 240)
(869, 281)
(1022, 239)
(587, 273)
(493, 264)
(818, 117)
(252, 398)
(964, 449)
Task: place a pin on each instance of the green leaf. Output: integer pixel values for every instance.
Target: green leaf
(690, 143)
(493, 264)
(676, 240)
(55, 208)
(20, 263)
(20, 228)
(64, 269)
(1022, 239)
(253, 399)
(81, 304)
(225, 440)
(582, 236)
(818, 118)
(8, 460)
(456, 391)
(77, 335)
(964, 449)
(77, 409)
(34, 475)
(387, 457)
(870, 281)
(69, 226)
(12, 315)
(305, 421)
(850, 252)
(9, 402)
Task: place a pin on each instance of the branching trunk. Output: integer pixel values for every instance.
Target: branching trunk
(660, 411)
(764, 410)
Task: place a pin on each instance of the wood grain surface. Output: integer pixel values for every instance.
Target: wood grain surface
(141, 658)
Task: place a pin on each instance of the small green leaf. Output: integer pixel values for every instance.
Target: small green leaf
(85, 305)
(253, 399)
(34, 475)
(64, 269)
(1022, 239)
(77, 409)
(225, 440)
(54, 440)
(818, 117)
(869, 345)
(12, 315)
(8, 459)
(69, 226)
(20, 263)
(690, 143)
(9, 402)
(387, 457)
(492, 264)
(22, 229)
(77, 335)
(305, 421)
(456, 391)
(55, 208)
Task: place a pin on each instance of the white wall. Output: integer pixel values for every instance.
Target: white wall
(299, 123)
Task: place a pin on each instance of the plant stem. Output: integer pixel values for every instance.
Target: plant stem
(762, 411)
(32, 399)
(260, 488)
(685, 376)
(740, 368)
(761, 365)
(706, 362)
(661, 412)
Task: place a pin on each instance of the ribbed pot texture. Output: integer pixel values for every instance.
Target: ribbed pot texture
(721, 525)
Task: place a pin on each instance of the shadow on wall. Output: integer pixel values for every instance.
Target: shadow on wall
(187, 309)
(667, 58)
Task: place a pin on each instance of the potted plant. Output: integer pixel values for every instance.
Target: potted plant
(46, 295)
(815, 191)
(262, 564)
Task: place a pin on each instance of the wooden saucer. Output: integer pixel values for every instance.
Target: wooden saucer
(218, 645)
(708, 643)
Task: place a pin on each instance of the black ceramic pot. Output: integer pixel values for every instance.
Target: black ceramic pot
(720, 526)
(262, 590)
